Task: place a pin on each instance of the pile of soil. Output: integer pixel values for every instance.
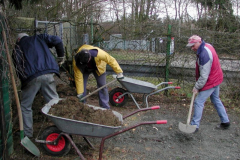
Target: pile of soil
(66, 90)
(71, 108)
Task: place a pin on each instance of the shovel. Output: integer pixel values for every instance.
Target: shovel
(187, 128)
(25, 141)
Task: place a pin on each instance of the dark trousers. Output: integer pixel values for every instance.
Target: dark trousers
(103, 93)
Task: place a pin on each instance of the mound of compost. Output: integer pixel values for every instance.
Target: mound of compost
(71, 108)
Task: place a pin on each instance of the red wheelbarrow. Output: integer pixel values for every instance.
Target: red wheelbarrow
(57, 140)
(119, 96)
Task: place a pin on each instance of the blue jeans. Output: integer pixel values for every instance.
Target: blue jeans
(46, 84)
(201, 98)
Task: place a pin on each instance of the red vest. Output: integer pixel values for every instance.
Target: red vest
(216, 75)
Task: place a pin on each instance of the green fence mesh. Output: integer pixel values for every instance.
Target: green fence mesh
(6, 140)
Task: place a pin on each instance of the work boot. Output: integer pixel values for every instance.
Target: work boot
(196, 130)
(223, 126)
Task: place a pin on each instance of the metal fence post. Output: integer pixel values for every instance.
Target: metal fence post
(168, 56)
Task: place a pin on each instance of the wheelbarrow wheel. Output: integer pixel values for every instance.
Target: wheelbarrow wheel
(113, 97)
(61, 148)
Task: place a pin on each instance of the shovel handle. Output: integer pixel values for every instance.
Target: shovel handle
(14, 84)
(190, 109)
(98, 89)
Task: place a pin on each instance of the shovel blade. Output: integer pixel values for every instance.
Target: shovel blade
(30, 146)
(187, 128)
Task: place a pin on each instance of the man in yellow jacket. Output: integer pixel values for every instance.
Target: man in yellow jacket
(90, 59)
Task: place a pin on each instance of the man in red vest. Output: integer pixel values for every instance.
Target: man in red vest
(209, 76)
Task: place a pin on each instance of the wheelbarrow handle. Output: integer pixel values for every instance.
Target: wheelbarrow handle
(151, 122)
(164, 83)
(161, 122)
(140, 110)
(154, 107)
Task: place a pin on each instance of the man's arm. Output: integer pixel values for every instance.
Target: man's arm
(205, 64)
(60, 49)
(111, 61)
(54, 41)
(78, 77)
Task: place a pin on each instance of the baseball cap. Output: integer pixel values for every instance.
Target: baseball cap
(20, 35)
(193, 39)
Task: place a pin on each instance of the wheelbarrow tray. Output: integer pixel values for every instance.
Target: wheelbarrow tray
(136, 86)
(71, 126)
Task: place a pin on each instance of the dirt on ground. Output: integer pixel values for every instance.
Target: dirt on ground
(147, 141)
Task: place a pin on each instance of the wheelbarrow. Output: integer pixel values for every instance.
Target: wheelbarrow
(56, 140)
(119, 96)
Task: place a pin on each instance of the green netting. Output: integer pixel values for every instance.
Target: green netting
(6, 139)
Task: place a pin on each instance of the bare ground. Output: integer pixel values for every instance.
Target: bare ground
(148, 142)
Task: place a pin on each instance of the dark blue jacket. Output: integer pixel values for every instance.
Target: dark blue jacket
(32, 56)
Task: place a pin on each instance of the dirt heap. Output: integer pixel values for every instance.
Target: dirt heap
(71, 108)
(65, 90)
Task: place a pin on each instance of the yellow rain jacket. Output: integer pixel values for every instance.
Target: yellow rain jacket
(102, 59)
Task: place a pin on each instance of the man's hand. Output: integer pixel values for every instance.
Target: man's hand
(60, 60)
(120, 76)
(195, 90)
(80, 96)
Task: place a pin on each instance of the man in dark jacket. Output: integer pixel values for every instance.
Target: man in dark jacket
(209, 76)
(35, 67)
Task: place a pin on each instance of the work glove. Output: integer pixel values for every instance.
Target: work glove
(60, 60)
(80, 96)
(120, 76)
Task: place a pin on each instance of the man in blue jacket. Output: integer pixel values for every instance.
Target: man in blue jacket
(35, 67)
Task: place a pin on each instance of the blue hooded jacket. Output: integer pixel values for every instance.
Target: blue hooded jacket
(32, 56)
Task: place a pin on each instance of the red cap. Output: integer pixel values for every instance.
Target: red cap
(192, 40)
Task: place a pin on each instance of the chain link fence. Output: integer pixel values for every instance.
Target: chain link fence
(147, 56)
